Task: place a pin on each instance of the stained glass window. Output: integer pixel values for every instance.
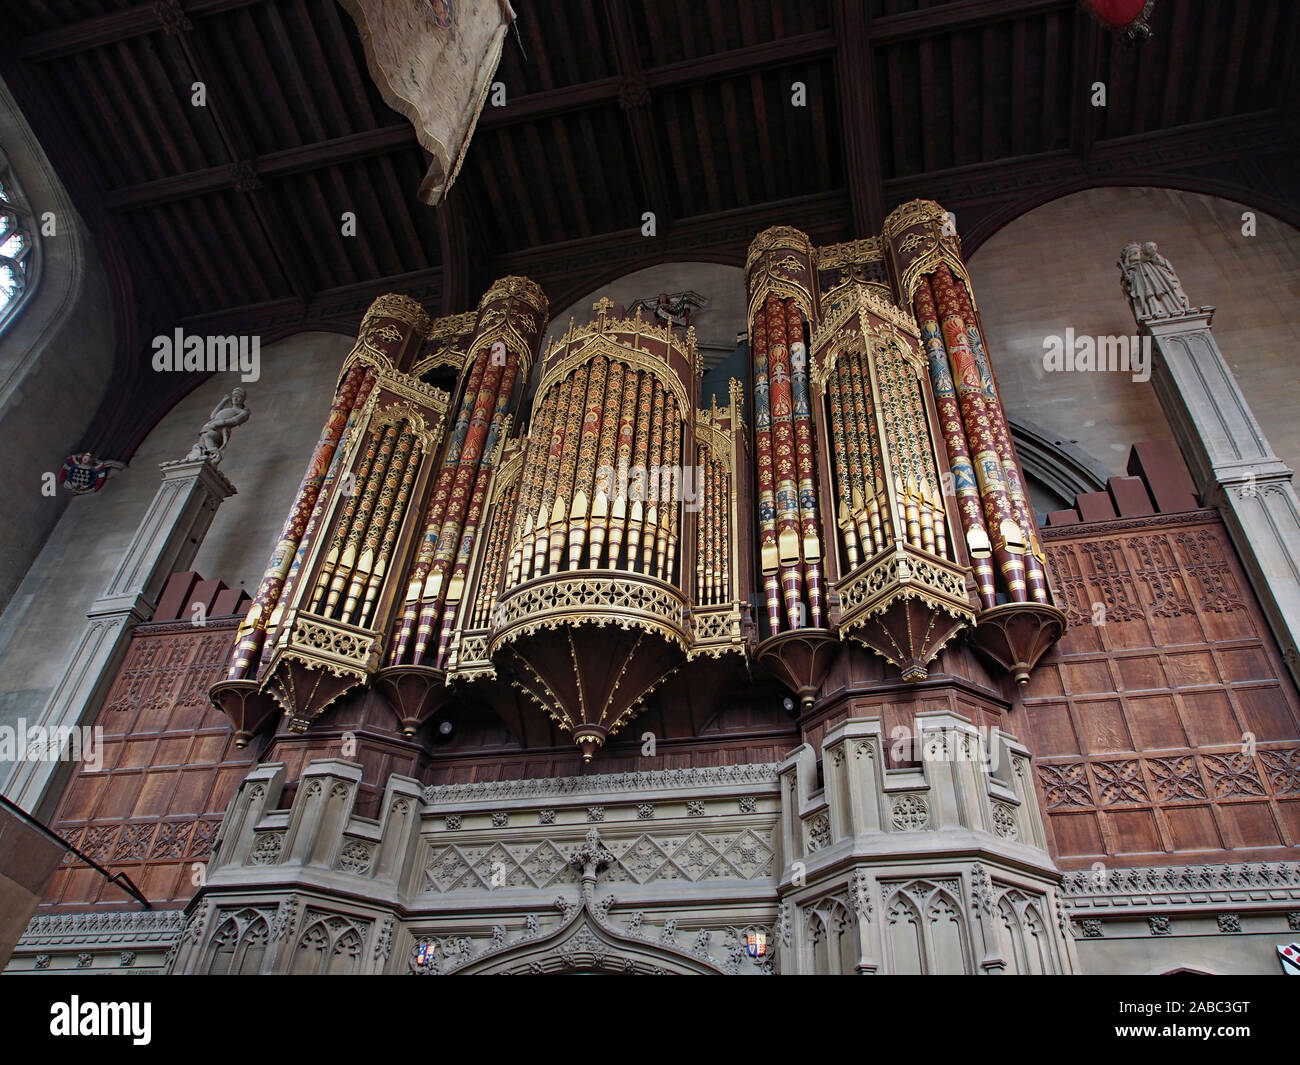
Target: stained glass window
(16, 244)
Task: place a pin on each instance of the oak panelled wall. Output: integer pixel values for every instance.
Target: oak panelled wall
(170, 767)
(1164, 724)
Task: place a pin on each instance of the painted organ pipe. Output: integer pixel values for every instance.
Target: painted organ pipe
(252, 633)
(1009, 543)
(805, 449)
(318, 512)
(492, 394)
(460, 571)
(768, 552)
(713, 558)
(510, 318)
(595, 507)
(606, 464)
(530, 495)
(965, 484)
(784, 463)
(584, 481)
(497, 548)
(1035, 573)
(780, 281)
(931, 277)
(436, 510)
(670, 497)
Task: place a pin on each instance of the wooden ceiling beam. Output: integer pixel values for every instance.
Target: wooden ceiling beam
(855, 78)
(286, 250)
(1171, 151)
(346, 149)
(634, 99)
(958, 15)
(734, 63)
(521, 109)
(135, 21)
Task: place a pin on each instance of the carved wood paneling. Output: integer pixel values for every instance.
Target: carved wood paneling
(1164, 724)
(169, 769)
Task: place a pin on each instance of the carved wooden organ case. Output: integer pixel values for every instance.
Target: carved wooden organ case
(576, 528)
(890, 506)
(612, 554)
(583, 554)
(367, 583)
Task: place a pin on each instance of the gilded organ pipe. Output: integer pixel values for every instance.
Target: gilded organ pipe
(805, 450)
(252, 632)
(965, 485)
(606, 473)
(434, 517)
(763, 447)
(1009, 542)
(1035, 573)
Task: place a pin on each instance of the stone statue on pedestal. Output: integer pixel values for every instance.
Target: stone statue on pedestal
(1149, 281)
(216, 431)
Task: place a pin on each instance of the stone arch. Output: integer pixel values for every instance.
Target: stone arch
(927, 929)
(903, 935)
(238, 945)
(329, 944)
(585, 943)
(992, 223)
(1028, 291)
(70, 306)
(1025, 934)
(25, 263)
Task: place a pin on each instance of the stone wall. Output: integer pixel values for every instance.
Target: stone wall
(56, 357)
(937, 868)
(265, 459)
(1054, 268)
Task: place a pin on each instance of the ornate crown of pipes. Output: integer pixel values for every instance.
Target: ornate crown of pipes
(620, 516)
(877, 418)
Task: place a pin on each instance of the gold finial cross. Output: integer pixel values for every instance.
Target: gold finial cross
(602, 306)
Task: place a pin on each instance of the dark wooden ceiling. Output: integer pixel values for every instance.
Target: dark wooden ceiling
(228, 217)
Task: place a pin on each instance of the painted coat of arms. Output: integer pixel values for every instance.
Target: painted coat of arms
(83, 473)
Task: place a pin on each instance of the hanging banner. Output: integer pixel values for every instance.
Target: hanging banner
(433, 61)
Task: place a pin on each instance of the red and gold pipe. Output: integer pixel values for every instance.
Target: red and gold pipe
(640, 474)
(843, 488)
(769, 552)
(559, 525)
(607, 462)
(1034, 572)
(1009, 544)
(529, 494)
(436, 511)
(626, 446)
(787, 496)
(292, 534)
(965, 484)
(805, 451)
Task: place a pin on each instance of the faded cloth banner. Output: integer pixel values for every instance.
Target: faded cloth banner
(433, 61)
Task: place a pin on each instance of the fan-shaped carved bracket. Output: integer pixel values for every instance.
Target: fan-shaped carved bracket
(800, 660)
(1016, 635)
(413, 693)
(246, 705)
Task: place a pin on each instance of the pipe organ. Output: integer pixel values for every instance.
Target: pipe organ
(575, 527)
(614, 539)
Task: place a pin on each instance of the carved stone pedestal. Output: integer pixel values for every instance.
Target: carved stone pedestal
(938, 869)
